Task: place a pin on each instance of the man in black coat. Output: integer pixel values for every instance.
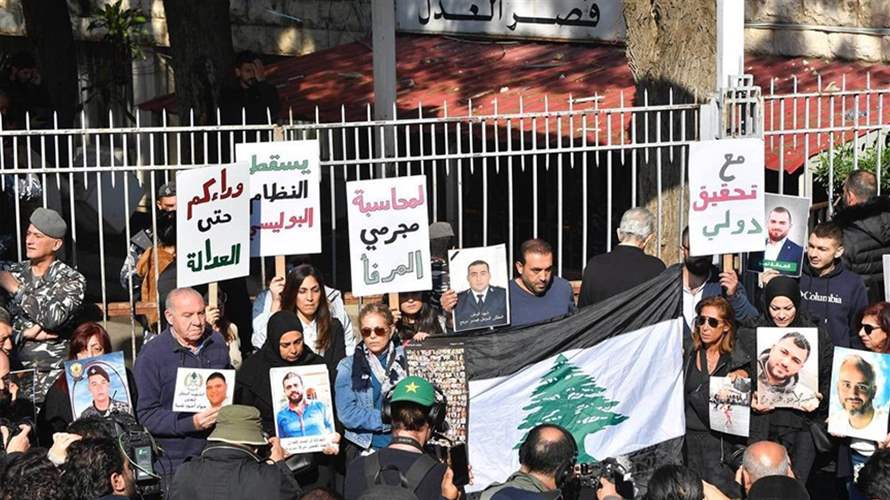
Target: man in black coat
(865, 220)
(626, 266)
(232, 466)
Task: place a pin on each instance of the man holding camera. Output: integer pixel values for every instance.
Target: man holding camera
(415, 413)
(547, 464)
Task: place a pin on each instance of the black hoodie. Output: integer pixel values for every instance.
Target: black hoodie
(834, 302)
(866, 239)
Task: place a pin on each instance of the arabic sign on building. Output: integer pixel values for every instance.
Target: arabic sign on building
(285, 217)
(553, 19)
(212, 224)
(726, 202)
(389, 243)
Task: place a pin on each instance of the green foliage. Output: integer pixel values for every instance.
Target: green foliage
(122, 27)
(842, 161)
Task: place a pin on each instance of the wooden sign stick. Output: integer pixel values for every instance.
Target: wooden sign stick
(279, 265)
(728, 263)
(213, 294)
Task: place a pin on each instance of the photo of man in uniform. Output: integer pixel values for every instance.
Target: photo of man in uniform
(780, 251)
(217, 389)
(778, 373)
(483, 304)
(301, 417)
(856, 389)
(103, 404)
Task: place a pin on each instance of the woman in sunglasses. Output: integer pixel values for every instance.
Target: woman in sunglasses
(874, 331)
(792, 428)
(715, 353)
(365, 377)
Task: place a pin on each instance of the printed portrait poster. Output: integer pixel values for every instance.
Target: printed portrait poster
(304, 413)
(788, 367)
(98, 386)
(886, 261)
(285, 201)
(198, 389)
(786, 235)
(481, 276)
(730, 405)
(19, 385)
(441, 362)
(389, 237)
(212, 224)
(726, 196)
(860, 394)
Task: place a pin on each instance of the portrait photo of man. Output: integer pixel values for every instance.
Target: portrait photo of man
(781, 253)
(99, 385)
(853, 412)
(301, 416)
(217, 389)
(779, 373)
(482, 305)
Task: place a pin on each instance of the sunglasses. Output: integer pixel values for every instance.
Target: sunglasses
(712, 322)
(869, 328)
(377, 330)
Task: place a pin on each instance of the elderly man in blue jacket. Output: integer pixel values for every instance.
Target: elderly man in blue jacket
(186, 343)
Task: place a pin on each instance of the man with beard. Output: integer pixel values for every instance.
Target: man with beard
(780, 251)
(778, 371)
(103, 405)
(856, 391)
(301, 417)
(702, 280)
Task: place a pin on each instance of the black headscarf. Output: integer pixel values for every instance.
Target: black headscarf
(254, 374)
(783, 286)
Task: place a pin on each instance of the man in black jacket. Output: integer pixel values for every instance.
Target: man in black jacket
(626, 266)
(865, 220)
(231, 466)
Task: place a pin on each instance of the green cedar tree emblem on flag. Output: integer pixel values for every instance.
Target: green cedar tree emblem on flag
(569, 397)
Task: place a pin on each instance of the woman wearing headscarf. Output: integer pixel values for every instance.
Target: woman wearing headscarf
(794, 429)
(283, 347)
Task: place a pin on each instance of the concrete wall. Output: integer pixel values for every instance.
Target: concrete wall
(842, 29)
(265, 26)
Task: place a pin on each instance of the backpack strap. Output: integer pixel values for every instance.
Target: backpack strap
(372, 469)
(418, 470)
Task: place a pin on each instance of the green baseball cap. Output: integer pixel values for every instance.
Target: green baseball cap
(415, 390)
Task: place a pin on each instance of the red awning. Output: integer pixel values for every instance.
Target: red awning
(439, 71)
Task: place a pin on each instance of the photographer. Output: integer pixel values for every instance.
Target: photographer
(416, 410)
(547, 458)
(232, 466)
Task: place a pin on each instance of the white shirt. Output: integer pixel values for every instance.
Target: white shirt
(773, 249)
(262, 311)
(691, 298)
(839, 424)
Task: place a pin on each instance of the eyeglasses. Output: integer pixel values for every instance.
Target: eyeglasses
(869, 328)
(377, 330)
(712, 322)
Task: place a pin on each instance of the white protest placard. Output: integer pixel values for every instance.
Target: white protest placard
(389, 242)
(730, 405)
(198, 389)
(726, 202)
(212, 224)
(285, 178)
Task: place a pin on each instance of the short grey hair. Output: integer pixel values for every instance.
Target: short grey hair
(173, 295)
(638, 223)
(758, 469)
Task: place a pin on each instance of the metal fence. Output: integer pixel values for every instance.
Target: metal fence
(564, 173)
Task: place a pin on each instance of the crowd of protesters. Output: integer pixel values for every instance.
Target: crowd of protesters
(384, 417)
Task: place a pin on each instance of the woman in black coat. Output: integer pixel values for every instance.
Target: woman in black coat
(714, 353)
(283, 347)
(791, 428)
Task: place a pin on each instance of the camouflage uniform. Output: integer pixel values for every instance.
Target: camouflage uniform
(51, 301)
(114, 407)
